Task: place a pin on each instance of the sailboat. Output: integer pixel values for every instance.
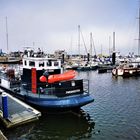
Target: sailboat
(130, 67)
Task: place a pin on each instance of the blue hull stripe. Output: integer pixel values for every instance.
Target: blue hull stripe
(60, 102)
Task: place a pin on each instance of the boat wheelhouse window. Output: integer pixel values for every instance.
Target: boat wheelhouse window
(41, 64)
(49, 63)
(25, 62)
(56, 63)
(131, 66)
(31, 63)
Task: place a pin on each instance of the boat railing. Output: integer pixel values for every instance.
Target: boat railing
(57, 91)
(86, 85)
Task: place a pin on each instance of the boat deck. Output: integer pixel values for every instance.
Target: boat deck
(2, 137)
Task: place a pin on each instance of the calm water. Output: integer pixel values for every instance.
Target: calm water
(114, 115)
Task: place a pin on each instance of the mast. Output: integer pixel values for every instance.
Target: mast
(101, 50)
(80, 33)
(139, 34)
(79, 40)
(139, 30)
(109, 44)
(114, 53)
(91, 44)
(7, 36)
(71, 45)
(113, 41)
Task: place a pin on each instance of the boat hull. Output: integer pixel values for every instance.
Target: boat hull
(126, 72)
(68, 102)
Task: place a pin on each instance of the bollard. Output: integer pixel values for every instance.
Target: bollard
(4, 106)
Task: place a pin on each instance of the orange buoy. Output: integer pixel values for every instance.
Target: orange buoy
(68, 75)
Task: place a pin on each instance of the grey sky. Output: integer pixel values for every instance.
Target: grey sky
(52, 24)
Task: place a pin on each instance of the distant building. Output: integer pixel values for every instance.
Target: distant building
(0, 51)
(60, 54)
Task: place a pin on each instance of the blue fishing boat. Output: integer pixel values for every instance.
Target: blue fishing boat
(59, 90)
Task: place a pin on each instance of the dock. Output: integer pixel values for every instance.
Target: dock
(18, 112)
(105, 69)
(2, 137)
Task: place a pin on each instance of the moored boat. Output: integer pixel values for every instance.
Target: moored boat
(127, 69)
(58, 91)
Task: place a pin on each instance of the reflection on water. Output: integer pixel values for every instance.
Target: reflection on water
(55, 126)
(114, 115)
(116, 108)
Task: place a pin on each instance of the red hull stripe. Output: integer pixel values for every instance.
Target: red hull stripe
(34, 81)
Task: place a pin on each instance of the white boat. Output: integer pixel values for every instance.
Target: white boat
(127, 69)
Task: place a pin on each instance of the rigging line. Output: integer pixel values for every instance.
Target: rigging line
(93, 45)
(84, 43)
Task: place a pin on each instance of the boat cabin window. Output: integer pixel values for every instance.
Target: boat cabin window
(131, 66)
(49, 63)
(25, 62)
(41, 64)
(31, 63)
(56, 63)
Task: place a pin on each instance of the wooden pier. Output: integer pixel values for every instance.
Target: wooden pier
(18, 112)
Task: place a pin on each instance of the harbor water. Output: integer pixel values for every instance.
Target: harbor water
(114, 115)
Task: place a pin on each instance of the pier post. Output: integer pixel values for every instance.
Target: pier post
(88, 57)
(113, 58)
(4, 105)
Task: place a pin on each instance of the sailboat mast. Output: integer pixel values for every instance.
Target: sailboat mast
(7, 36)
(114, 53)
(113, 41)
(139, 35)
(109, 44)
(91, 44)
(79, 39)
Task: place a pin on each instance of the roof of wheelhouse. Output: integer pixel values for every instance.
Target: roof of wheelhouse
(39, 60)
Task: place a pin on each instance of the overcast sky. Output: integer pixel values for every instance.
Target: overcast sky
(53, 24)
